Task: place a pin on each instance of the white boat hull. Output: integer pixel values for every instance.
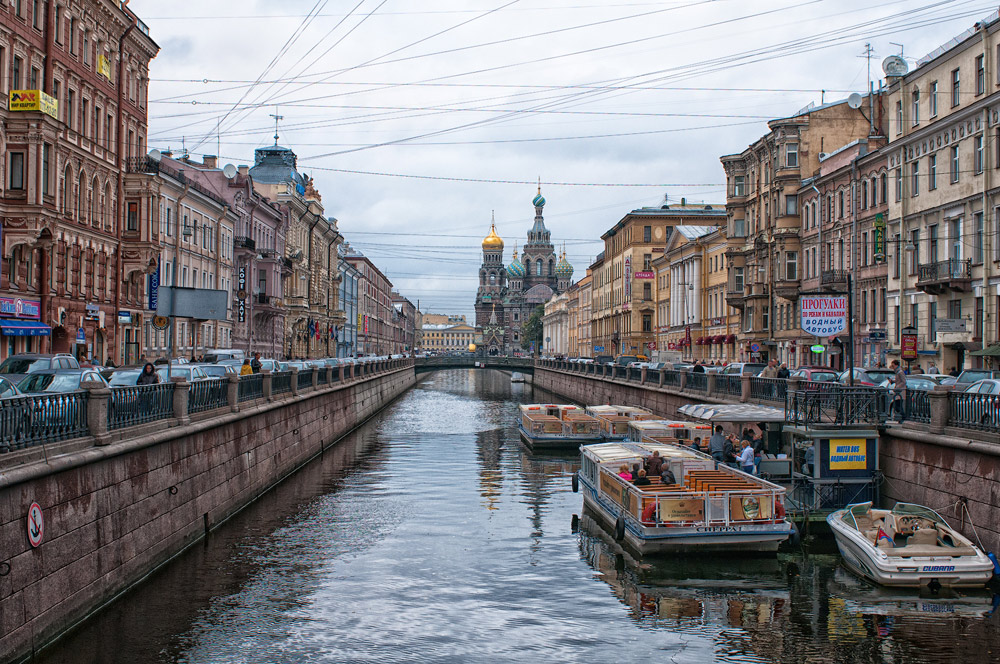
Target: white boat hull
(764, 538)
(864, 559)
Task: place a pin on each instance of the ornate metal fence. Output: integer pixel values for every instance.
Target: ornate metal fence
(767, 389)
(696, 382)
(251, 387)
(208, 395)
(139, 404)
(281, 382)
(35, 419)
(729, 384)
(848, 405)
(974, 411)
(305, 379)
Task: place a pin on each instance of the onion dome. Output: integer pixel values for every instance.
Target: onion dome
(538, 200)
(516, 268)
(492, 242)
(563, 269)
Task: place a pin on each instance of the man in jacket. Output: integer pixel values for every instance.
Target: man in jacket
(255, 364)
(770, 371)
(717, 444)
(899, 387)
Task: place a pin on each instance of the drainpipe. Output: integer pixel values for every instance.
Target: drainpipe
(852, 286)
(121, 180)
(172, 353)
(218, 259)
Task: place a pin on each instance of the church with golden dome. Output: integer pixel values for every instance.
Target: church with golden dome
(509, 293)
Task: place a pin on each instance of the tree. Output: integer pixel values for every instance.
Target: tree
(531, 329)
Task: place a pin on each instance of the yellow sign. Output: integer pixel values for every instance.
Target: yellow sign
(682, 509)
(33, 100)
(848, 454)
(104, 67)
(749, 507)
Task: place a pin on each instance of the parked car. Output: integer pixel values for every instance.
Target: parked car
(985, 386)
(219, 370)
(190, 373)
(918, 382)
(818, 374)
(869, 377)
(16, 367)
(62, 380)
(743, 368)
(215, 355)
(8, 389)
(125, 377)
(967, 377)
(625, 360)
(941, 379)
(604, 359)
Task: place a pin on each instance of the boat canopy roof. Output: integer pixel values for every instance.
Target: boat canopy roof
(619, 451)
(744, 412)
(611, 410)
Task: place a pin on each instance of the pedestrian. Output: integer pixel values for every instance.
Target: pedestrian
(729, 451)
(746, 458)
(148, 375)
(255, 364)
(717, 444)
(954, 372)
(698, 368)
(246, 369)
(783, 371)
(807, 465)
(899, 387)
(770, 371)
(932, 369)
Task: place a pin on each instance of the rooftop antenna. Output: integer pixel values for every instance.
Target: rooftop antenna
(869, 52)
(276, 119)
(900, 48)
(539, 184)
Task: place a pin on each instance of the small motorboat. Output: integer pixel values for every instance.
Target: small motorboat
(517, 377)
(909, 546)
(557, 426)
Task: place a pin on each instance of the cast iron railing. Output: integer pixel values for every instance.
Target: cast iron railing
(281, 382)
(208, 395)
(35, 419)
(251, 387)
(139, 404)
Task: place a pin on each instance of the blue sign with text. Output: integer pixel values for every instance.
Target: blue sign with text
(154, 289)
(598, 349)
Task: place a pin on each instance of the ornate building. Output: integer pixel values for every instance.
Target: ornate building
(507, 295)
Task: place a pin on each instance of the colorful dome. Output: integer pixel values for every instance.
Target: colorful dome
(516, 268)
(539, 200)
(563, 269)
(492, 242)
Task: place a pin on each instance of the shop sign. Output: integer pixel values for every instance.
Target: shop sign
(877, 335)
(645, 275)
(81, 336)
(598, 349)
(950, 325)
(241, 310)
(20, 308)
(33, 100)
(628, 277)
(154, 289)
(908, 343)
(124, 317)
(93, 312)
(716, 321)
(849, 454)
(818, 348)
(104, 66)
(824, 316)
(671, 345)
(879, 237)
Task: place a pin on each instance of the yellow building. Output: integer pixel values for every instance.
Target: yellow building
(445, 337)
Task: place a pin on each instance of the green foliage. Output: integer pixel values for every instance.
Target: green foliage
(531, 329)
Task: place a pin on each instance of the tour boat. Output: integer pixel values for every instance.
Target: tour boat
(710, 507)
(517, 377)
(557, 426)
(678, 432)
(614, 420)
(909, 546)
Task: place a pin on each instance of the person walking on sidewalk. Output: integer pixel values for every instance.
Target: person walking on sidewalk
(899, 387)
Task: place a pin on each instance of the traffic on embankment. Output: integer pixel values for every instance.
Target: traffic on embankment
(101, 486)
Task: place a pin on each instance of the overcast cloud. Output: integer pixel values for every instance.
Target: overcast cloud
(573, 91)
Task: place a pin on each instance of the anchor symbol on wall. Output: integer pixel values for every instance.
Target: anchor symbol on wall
(36, 529)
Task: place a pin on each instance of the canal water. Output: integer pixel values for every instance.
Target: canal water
(432, 535)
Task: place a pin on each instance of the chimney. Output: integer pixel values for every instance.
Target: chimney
(167, 153)
(244, 170)
(210, 161)
(683, 201)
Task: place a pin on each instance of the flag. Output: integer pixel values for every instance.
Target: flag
(882, 535)
(311, 328)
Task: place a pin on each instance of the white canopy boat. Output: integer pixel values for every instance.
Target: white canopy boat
(557, 426)
(909, 546)
(614, 420)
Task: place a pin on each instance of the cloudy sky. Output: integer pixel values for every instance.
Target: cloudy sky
(419, 120)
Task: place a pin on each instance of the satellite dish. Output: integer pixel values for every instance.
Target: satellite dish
(155, 155)
(895, 66)
(854, 101)
(229, 171)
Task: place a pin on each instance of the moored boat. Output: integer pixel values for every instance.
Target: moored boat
(614, 420)
(909, 546)
(708, 508)
(557, 426)
(517, 377)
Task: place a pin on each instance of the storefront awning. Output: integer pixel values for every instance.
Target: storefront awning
(24, 328)
(989, 351)
(731, 339)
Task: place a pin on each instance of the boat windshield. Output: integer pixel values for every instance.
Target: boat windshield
(860, 510)
(909, 509)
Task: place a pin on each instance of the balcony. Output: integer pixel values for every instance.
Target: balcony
(734, 297)
(942, 276)
(833, 280)
(244, 243)
(787, 289)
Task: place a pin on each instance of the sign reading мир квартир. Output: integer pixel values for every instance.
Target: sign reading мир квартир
(824, 316)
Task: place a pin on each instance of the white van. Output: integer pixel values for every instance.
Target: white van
(218, 354)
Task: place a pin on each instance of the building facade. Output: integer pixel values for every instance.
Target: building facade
(73, 81)
(375, 308)
(404, 324)
(556, 326)
(447, 337)
(347, 334)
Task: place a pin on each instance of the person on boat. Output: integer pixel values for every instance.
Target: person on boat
(635, 470)
(729, 451)
(717, 444)
(654, 463)
(696, 444)
(667, 475)
(623, 473)
(746, 458)
(807, 465)
(641, 480)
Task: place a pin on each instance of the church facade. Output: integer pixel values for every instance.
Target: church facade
(508, 294)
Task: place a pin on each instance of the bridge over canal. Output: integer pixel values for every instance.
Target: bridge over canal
(524, 365)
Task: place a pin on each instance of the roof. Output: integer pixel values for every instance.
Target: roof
(955, 41)
(695, 232)
(733, 413)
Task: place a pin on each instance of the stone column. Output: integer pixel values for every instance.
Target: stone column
(710, 391)
(315, 378)
(744, 388)
(661, 378)
(233, 393)
(98, 396)
(182, 392)
(643, 374)
(684, 380)
(295, 381)
(350, 371)
(266, 387)
(940, 406)
(340, 373)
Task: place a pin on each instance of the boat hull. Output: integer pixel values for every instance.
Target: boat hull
(557, 441)
(868, 562)
(759, 538)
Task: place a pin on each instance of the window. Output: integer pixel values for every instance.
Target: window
(884, 193)
(864, 249)
(739, 185)
(864, 306)
(899, 117)
(72, 36)
(954, 163)
(931, 320)
(15, 79)
(915, 178)
(18, 9)
(932, 99)
(932, 243)
(977, 238)
(738, 279)
(86, 47)
(899, 184)
(791, 205)
(16, 180)
(647, 291)
(956, 81)
(58, 24)
(932, 172)
(840, 204)
(915, 252)
(977, 144)
(980, 74)
(647, 262)
(538, 267)
(70, 101)
(864, 195)
(764, 316)
(132, 216)
(791, 265)
(915, 107)
(792, 155)
(914, 315)
(46, 169)
(647, 233)
(33, 80)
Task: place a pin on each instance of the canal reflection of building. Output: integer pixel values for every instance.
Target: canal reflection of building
(791, 609)
(489, 450)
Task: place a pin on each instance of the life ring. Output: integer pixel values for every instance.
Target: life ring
(620, 528)
(576, 483)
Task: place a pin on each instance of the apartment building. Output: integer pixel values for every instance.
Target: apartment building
(374, 306)
(447, 337)
(944, 210)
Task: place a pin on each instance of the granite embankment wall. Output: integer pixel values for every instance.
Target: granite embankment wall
(115, 513)
(941, 470)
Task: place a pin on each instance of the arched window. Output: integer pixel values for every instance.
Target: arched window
(81, 196)
(92, 199)
(67, 184)
(538, 267)
(106, 205)
(552, 266)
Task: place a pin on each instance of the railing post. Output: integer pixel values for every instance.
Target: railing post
(266, 384)
(182, 393)
(340, 373)
(744, 388)
(661, 378)
(683, 380)
(792, 384)
(315, 378)
(643, 374)
(295, 381)
(710, 380)
(233, 393)
(98, 396)
(940, 407)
